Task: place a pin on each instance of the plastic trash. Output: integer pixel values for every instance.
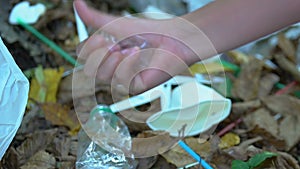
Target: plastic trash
(14, 89)
(104, 142)
(29, 14)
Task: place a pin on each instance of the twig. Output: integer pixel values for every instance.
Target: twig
(229, 127)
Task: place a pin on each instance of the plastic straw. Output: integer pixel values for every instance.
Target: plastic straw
(192, 153)
(47, 41)
(230, 65)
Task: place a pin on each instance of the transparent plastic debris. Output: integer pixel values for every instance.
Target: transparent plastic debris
(104, 142)
(14, 88)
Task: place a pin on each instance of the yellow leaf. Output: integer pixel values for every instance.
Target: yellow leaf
(60, 115)
(48, 87)
(229, 140)
(238, 57)
(211, 67)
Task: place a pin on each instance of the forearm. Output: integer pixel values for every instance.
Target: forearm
(232, 23)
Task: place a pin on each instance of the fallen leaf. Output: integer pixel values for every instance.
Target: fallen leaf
(246, 86)
(181, 158)
(60, 147)
(287, 66)
(222, 160)
(267, 83)
(287, 47)
(289, 130)
(151, 143)
(44, 86)
(229, 140)
(286, 161)
(33, 120)
(240, 152)
(207, 68)
(34, 143)
(283, 160)
(260, 122)
(163, 164)
(41, 159)
(146, 163)
(282, 104)
(238, 57)
(257, 159)
(61, 115)
(282, 134)
(245, 107)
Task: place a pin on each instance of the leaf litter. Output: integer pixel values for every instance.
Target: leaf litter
(47, 137)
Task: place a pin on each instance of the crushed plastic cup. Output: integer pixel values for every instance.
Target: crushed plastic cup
(14, 89)
(104, 142)
(193, 105)
(190, 104)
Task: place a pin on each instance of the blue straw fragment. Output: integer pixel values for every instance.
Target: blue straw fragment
(192, 153)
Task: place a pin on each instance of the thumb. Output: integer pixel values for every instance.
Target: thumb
(119, 27)
(91, 16)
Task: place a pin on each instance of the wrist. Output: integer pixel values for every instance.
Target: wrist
(197, 45)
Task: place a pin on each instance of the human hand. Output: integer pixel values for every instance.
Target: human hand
(133, 69)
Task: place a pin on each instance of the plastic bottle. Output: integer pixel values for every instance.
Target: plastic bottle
(104, 142)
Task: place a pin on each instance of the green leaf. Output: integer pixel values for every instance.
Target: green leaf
(238, 164)
(259, 158)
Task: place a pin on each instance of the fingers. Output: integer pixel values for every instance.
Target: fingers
(85, 48)
(162, 66)
(102, 64)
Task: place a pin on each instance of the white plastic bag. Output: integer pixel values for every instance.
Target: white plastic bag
(14, 88)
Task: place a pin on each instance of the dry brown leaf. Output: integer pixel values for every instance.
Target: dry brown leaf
(286, 161)
(246, 86)
(289, 130)
(262, 123)
(41, 159)
(287, 47)
(240, 152)
(244, 107)
(181, 158)
(163, 164)
(151, 143)
(282, 104)
(267, 83)
(222, 160)
(287, 66)
(60, 147)
(146, 163)
(35, 142)
(283, 134)
(263, 119)
(61, 115)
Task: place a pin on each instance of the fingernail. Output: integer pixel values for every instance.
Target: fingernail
(129, 51)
